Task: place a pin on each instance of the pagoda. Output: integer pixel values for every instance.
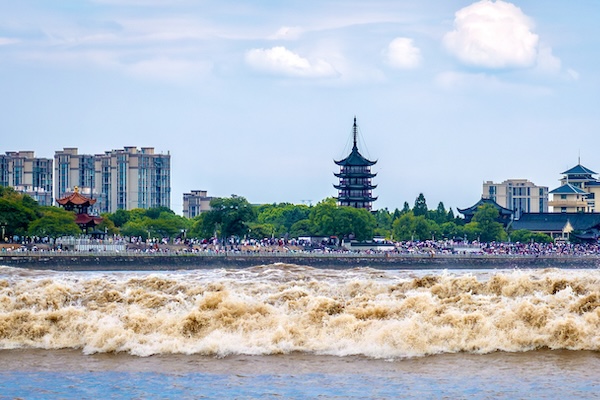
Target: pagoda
(79, 204)
(355, 187)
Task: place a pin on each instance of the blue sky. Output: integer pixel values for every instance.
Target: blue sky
(256, 98)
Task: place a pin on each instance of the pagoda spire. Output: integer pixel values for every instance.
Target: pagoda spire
(355, 133)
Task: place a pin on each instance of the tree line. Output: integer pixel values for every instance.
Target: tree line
(234, 216)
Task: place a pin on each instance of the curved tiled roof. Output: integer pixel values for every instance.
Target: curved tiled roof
(482, 201)
(567, 188)
(579, 170)
(355, 159)
(556, 221)
(76, 199)
(85, 219)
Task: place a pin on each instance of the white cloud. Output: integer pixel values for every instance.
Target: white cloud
(547, 62)
(493, 35)
(282, 61)
(401, 53)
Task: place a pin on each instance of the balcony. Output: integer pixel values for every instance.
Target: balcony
(568, 203)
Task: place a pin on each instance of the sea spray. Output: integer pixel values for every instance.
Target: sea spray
(282, 308)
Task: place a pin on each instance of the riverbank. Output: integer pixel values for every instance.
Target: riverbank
(151, 262)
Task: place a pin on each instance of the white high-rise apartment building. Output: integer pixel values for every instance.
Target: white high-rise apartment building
(27, 174)
(121, 179)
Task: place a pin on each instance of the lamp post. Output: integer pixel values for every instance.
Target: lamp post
(3, 225)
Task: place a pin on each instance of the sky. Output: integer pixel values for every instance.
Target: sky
(257, 98)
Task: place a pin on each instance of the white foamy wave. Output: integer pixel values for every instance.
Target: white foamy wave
(287, 308)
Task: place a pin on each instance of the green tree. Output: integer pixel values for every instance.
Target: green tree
(282, 216)
(168, 224)
(405, 208)
(384, 222)
(260, 231)
(440, 215)
(450, 230)
(107, 225)
(119, 217)
(54, 222)
(450, 216)
(138, 228)
(17, 211)
(420, 207)
(397, 213)
(229, 216)
(525, 236)
(328, 219)
(198, 229)
(155, 212)
(302, 228)
(485, 224)
(411, 227)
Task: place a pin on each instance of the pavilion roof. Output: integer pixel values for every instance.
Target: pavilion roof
(579, 170)
(471, 210)
(77, 199)
(567, 188)
(85, 219)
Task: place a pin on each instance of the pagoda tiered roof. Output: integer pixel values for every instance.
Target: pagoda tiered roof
(355, 187)
(358, 199)
(76, 199)
(355, 159)
(346, 174)
(579, 170)
(87, 220)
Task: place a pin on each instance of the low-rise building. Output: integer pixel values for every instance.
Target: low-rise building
(195, 203)
(559, 225)
(519, 195)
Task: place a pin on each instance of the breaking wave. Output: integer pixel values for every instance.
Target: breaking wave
(281, 308)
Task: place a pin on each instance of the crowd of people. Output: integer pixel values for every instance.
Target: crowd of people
(180, 245)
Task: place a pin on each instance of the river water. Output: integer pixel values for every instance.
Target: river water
(287, 331)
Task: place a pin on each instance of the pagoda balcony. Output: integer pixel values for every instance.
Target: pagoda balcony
(355, 170)
(355, 182)
(361, 175)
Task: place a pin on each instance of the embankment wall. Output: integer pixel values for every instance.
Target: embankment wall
(95, 262)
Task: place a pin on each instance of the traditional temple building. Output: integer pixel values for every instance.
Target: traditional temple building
(578, 191)
(79, 204)
(355, 187)
(505, 215)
